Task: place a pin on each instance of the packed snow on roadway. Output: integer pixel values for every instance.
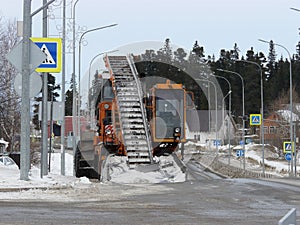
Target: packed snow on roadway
(164, 170)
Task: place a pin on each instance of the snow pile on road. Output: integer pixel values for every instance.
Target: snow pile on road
(165, 171)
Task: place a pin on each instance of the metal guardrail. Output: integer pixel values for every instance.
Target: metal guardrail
(289, 218)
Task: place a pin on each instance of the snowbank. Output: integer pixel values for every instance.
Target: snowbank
(119, 172)
(166, 172)
(10, 176)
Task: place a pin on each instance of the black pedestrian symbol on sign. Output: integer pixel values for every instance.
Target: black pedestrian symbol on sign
(49, 59)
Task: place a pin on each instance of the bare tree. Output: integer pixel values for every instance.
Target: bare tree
(9, 100)
(283, 100)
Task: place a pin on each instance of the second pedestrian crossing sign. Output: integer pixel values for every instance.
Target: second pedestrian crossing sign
(52, 47)
(255, 119)
(288, 146)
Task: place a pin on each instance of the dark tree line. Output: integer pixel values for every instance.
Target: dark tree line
(275, 74)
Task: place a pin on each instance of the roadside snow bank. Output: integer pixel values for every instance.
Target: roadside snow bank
(10, 176)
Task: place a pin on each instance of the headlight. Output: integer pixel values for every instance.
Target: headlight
(177, 129)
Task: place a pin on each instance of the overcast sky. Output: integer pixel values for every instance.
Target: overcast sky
(216, 24)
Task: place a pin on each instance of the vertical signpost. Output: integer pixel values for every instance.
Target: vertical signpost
(25, 57)
(52, 48)
(288, 150)
(44, 144)
(256, 120)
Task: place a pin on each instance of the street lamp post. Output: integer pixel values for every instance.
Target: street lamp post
(291, 103)
(228, 124)
(243, 106)
(74, 88)
(216, 110)
(79, 67)
(295, 9)
(229, 105)
(262, 113)
(229, 89)
(92, 60)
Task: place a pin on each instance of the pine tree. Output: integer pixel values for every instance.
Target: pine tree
(272, 55)
(165, 54)
(69, 100)
(198, 51)
(179, 55)
(271, 60)
(234, 54)
(298, 51)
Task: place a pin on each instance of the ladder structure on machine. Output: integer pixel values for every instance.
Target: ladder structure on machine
(131, 110)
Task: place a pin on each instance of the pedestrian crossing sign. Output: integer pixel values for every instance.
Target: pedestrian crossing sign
(288, 146)
(52, 47)
(255, 119)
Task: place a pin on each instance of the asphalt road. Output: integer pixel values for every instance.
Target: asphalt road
(205, 201)
(196, 171)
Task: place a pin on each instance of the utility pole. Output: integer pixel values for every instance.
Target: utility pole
(29, 58)
(25, 107)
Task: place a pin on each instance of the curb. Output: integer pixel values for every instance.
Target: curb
(43, 188)
(288, 181)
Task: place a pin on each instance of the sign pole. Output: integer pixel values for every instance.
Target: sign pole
(44, 166)
(63, 97)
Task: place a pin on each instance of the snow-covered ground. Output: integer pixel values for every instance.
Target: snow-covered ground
(119, 172)
(10, 175)
(274, 161)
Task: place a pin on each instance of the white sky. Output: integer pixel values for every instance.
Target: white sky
(216, 24)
